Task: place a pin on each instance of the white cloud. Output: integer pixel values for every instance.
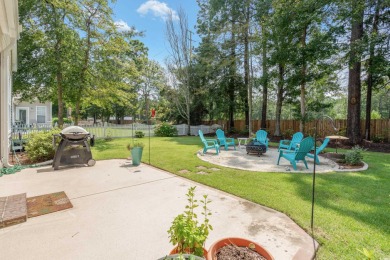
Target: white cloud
(122, 26)
(158, 9)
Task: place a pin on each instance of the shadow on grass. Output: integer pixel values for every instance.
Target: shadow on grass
(363, 196)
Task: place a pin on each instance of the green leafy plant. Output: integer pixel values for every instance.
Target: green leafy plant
(186, 231)
(288, 133)
(378, 139)
(39, 146)
(139, 134)
(66, 120)
(165, 130)
(134, 145)
(354, 157)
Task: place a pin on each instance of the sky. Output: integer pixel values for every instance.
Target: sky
(149, 17)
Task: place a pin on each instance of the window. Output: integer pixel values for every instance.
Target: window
(41, 115)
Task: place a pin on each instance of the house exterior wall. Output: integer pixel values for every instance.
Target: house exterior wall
(9, 34)
(32, 112)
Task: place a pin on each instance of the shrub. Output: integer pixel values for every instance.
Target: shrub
(165, 130)
(354, 157)
(288, 133)
(139, 134)
(378, 139)
(39, 147)
(66, 120)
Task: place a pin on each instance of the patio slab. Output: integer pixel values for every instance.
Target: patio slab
(123, 212)
(267, 162)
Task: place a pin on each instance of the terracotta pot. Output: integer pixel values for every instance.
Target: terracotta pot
(175, 251)
(238, 242)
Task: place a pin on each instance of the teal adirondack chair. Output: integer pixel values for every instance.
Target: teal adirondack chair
(261, 136)
(291, 144)
(224, 141)
(319, 150)
(208, 143)
(298, 155)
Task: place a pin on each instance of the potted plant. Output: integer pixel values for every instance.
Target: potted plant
(187, 234)
(136, 152)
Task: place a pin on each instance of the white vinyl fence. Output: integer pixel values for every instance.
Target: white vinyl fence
(183, 128)
(110, 130)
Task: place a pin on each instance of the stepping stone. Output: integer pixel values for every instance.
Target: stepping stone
(184, 171)
(201, 167)
(13, 210)
(201, 172)
(215, 169)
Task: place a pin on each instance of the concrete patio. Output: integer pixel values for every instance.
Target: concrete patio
(267, 162)
(123, 212)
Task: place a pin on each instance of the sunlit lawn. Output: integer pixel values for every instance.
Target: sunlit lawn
(352, 209)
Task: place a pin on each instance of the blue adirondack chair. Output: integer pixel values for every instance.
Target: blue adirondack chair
(261, 136)
(319, 150)
(298, 155)
(224, 141)
(291, 144)
(208, 143)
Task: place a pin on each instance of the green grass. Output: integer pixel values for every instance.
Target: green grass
(352, 209)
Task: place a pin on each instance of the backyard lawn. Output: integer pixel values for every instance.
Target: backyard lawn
(352, 209)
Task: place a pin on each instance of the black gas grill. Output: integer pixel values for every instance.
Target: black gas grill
(73, 148)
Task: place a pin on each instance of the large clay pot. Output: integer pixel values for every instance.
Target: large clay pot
(238, 242)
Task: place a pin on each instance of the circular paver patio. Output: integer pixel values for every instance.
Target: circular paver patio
(267, 162)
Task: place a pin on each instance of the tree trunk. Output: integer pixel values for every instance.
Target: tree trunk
(248, 101)
(354, 82)
(367, 133)
(232, 80)
(265, 79)
(303, 82)
(279, 100)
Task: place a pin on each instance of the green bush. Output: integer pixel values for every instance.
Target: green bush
(139, 134)
(354, 157)
(66, 120)
(165, 130)
(378, 139)
(39, 147)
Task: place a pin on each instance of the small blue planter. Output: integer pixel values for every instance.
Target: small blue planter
(136, 155)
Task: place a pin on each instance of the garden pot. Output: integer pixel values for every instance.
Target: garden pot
(241, 242)
(136, 155)
(174, 251)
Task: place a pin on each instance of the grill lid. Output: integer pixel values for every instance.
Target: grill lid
(74, 132)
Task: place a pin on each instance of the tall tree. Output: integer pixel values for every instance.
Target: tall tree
(354, 78)
(47, 50)
(179, 63)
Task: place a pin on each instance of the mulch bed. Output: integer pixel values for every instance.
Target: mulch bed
(232, 252)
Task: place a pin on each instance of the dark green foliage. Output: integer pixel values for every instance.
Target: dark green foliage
(165, 130)
(354, 157)
(66, 121)
(139, 134)
(39, 147)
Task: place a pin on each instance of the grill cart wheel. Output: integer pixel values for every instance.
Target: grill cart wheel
(91, 162)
